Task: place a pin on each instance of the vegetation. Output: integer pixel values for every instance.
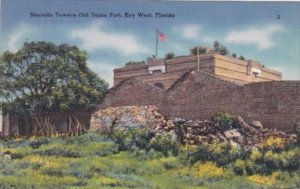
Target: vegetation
(220, 49)
(298, 132)
(140, 159)
(150, 58)
(217, 48)
(202, 50)
(134, 63)
(242, 57)
(43, 77)
(169, 55)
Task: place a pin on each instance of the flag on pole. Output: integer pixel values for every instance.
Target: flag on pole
(162, 36)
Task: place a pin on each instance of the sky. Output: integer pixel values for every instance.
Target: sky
(265, 31)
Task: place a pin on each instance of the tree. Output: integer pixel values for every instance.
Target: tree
(216, 46)
(220, 49)
(151, 58)
(202, 50)
(169, 55)
(233, 55)
(43, 77)
(242, 57)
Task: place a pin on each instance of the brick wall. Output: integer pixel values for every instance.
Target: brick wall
(133, 92)
(200, 95)
(276, 104)
(225, 67)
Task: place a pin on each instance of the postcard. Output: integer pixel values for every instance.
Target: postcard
(149, 94)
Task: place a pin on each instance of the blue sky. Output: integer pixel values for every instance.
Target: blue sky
(251, 29)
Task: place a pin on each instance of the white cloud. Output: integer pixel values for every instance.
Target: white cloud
(288, 73)
(104, 70)
(191, 31)
(261, 37)
(96, 37)
(18, 37)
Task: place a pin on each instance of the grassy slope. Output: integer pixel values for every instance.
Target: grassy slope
(92, 161)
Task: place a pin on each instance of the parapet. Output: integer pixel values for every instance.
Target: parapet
(164, 72)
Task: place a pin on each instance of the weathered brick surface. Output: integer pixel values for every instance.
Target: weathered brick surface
(133, 92)
(228, 68)
(200, 95)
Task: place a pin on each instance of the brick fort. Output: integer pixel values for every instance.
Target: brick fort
(198, 87)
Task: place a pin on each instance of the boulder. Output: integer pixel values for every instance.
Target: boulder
(126, 117)
(257, 124)
(232, 134)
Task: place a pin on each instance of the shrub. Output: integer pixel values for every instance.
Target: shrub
(270, 180)
(255, 155)
(80, 183)
(17, 143)
(17, 156)
(239, 167)
(59, 152)
(53, 172)
(39, 142)
(298, 132)
(221, 153)
(208, 170)
(152, 154)
(274, 143)
(6, 167)
(86, 138)
(224, 121)
(127, 139)
(27, 165)
(164, 143)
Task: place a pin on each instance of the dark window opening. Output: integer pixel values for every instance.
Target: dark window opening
(159, 85)
(256, 74)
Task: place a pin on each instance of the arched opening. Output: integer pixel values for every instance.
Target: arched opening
(159, 85)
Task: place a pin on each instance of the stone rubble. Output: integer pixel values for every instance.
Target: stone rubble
(186, 131)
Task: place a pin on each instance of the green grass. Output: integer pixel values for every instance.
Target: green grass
(94, 161)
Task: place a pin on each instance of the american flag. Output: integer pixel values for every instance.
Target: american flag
(162, 36)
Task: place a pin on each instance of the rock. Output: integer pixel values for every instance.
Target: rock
(246, 126)
(234, 144)
(257, 124)
(186, 131)
(232, 134)
(202, 139)
(126, 117)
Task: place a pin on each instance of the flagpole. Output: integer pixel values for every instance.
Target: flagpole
(156, 45)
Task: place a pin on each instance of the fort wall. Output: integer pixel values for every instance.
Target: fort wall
(200, 95)
(166, 72)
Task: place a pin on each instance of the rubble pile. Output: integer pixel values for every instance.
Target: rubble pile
(238, 133)
(126, 117)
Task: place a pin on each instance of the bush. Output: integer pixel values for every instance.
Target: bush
(224, 121)
(128, 139)
(266, 162)
(221, 153)
(208, 170)
(298, 132)
(6, 167)
(39, 142)
(59, 152)
(27, 165)
(164, 143)
(86, 138)
(53, 172)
